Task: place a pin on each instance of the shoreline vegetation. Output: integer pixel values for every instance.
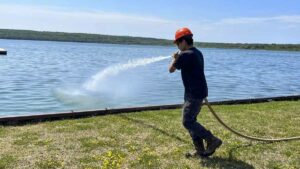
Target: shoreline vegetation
(98, 38)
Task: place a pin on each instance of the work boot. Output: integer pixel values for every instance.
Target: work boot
(199, 149)
(212, 143)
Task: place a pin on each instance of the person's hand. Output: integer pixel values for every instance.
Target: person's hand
(175, 55)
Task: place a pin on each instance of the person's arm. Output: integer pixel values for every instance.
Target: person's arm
(172, 67)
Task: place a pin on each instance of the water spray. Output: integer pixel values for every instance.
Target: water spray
(103, 88)
(94, 81)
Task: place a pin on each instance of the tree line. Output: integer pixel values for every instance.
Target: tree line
(98, 38)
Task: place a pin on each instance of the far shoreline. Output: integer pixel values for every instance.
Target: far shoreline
(11, 34)
(153, 45)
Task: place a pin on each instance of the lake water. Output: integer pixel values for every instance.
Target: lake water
(41, 77)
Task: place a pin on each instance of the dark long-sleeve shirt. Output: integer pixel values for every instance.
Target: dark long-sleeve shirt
(191, 64)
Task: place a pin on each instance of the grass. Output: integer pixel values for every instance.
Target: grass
(155, 139)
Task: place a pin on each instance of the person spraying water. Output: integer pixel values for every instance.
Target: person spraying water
(191, 63)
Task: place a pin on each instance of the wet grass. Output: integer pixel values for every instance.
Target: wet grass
(155, 139)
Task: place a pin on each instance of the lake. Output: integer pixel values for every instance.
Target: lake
(41, 76)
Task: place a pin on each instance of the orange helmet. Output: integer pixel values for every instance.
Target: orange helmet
(182, 32)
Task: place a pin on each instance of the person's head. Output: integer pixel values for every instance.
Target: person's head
(184, 39)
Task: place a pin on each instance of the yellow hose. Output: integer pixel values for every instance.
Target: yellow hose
(243, 135)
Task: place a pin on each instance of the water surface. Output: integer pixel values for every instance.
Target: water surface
(42, 76)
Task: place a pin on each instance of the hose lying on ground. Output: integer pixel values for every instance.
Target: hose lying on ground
(243, 135)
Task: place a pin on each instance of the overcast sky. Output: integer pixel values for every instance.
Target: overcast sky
(251, 21)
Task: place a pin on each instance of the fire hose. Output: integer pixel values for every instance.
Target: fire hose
(243, 135)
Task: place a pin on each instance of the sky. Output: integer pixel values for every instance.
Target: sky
(231, 21)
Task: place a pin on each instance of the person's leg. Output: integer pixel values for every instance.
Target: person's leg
(198, 145)
(191, 109)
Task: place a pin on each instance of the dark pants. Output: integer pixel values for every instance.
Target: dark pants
(191, 109)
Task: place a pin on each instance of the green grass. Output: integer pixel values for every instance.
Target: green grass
(155, 139)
